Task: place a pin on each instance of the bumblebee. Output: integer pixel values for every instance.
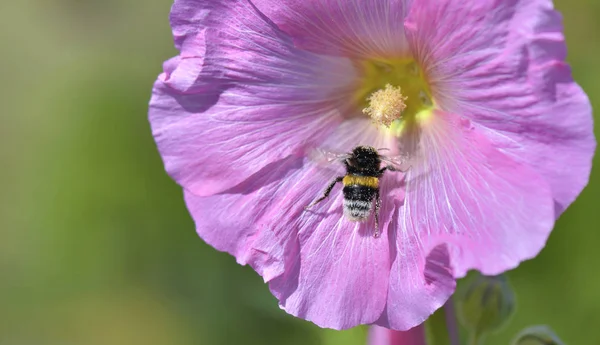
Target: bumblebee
(361, 183)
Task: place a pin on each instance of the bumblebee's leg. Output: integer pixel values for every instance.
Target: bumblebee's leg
(391, 168)
(327, 191)
(377, 207)
(387, 167)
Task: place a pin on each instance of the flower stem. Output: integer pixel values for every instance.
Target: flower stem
(383, 336)
(451, 323)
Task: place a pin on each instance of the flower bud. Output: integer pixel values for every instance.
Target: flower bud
(485, 303)
(537, 335)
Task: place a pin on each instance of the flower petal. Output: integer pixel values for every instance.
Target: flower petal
(421, 280)
(492, 211)
(319, 265)
(501, 64)
(357, 28)
(336, 272)
(240, 96)
(553, 134)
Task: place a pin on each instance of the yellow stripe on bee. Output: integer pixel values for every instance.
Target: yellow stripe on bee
(367, 181)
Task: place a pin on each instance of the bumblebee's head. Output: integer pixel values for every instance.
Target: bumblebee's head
(364, 157)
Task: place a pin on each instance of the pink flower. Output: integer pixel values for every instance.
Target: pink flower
(480, 97)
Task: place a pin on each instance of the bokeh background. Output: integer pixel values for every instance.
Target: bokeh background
(96, 246)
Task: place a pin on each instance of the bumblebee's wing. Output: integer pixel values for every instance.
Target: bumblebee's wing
(398, 163)
(325, 158)
(329, 160)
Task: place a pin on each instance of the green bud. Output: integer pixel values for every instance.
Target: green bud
(537, 335)
(484, 304)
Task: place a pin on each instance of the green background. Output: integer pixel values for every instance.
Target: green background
(96, 246)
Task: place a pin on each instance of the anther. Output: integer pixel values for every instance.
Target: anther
(386, 105)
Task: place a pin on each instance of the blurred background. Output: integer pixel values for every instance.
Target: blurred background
(96, 246)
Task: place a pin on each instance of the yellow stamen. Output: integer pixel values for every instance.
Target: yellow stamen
(386, 105)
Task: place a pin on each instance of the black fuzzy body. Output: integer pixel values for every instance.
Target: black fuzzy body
(361, 185)
(364, 161)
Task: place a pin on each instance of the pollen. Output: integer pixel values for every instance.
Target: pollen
(386, 105)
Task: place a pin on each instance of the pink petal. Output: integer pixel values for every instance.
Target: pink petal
(336, 271)
(501, 64)
(364, 28)
(421, 280)
(489, 209)
(240, 96)
(320, 266)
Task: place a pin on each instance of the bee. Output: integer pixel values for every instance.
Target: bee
(361, 182)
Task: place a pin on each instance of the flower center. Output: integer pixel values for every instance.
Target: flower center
(386, 105)
(392, 89)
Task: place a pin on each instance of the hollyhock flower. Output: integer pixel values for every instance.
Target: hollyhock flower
(476, 93)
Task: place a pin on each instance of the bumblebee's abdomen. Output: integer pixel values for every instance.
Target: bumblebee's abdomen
(356, 180)
(358, 201)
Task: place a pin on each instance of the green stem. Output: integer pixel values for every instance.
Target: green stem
(451, 324)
